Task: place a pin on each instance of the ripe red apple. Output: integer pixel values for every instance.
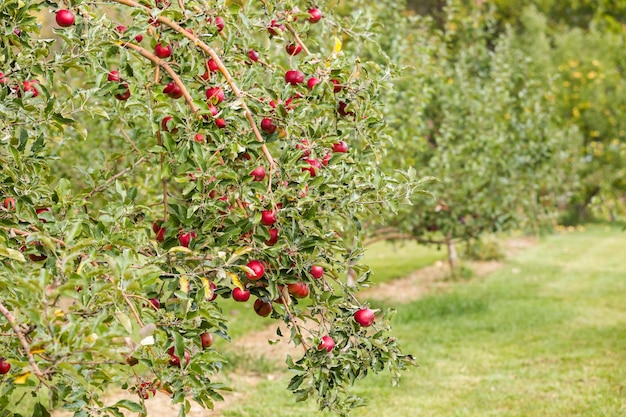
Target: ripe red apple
(274, 28)
(268, 217)
(262, 308)
(41, 211)
(268, 126)
(144, 389)
(3, 80)
(327, 343)
(273, 237)
(139, 38)
(120, 28)
(212, 288)
(257, 270)
(185, 238)
(219, 22)
(206, 339)
(293, 49)
(160, 234)
(314, 166)
(317, 271)
(9, 203)
(163, 4)
(5, 366)
(241, 295)
(30, 86)
(294, 77)
(365, 317)
(175, 360)
(340, 147)
(253, 55)
(173, 90)
(164, 124)
(316, 15)
(220, 123)
(163, 50)
(155, 303)
(299, 289)
(215, 94)
(258, 173)
(341, 109)
(64, 18)
(337, 87)
(212, 65)
(326, 159)
(114, 76)
(199, 138)
(312, 82)
(125, 95)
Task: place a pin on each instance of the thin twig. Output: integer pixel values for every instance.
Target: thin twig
(130, 141)
(108, 182)
(11, 319)
(293, 320)
(130, 305)
(298, 40)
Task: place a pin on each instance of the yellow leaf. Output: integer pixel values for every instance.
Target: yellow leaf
(208, 292)
(338, 45)
(184, 284)
(21, 379)
(236, 282)
(37, 351)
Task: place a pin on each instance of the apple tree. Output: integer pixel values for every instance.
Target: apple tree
(157, 157)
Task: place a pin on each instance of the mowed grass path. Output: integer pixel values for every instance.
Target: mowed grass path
(544, 336)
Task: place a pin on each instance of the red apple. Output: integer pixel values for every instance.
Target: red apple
(294, 77)
(293, 49)
(173, 90)
(317, 271)
(215, 94)
(262, 308)
(314, 166)
(268, 126)
(337, 87)
(139, 38)
(185, 238)
(114, 76)
(125, 95)
(305, 145)
(120, 28)
(341, 109)
(175, 360)
(257, 270)
(206, 339)
(5, 366)
(273, 237)
(253, 55)
(3, 80)
(299, 289)
(30, 86)
(275, 27)
(64, 18)
(316, 15)
(212, 288)
(312, 82)
(199, 138)
(9, 203)
(258, 173)
(241, 295)
(163, 50)
(365, 317)
(212, 65)
(268, 217)
(220, 123)
(327, 343)
(219, 22)
(164, 124)
(43, 210)
(340, 147)
(155, 303)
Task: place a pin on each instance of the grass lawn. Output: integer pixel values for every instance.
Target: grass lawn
(544, 336)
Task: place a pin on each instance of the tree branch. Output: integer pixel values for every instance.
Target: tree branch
(108, 182)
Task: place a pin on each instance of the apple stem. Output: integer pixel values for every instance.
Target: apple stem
(31, 359)
(297, 38)
(211, 52)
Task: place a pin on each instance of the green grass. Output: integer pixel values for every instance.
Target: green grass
(544, 336)
(390, 261)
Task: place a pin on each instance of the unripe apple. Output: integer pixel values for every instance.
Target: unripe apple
(340, 147)
(175, 360)
(219, 22)
(274, 28)
(5, 366)
(241, 295)
(316, 15)
(299, 289)
(125, 95)
(337, 87)
(64, 18)
(268, 126)
(258, 173)
(365, 317)
(262, 308)
(327, 343)
(155, 303)
(312, 82)
(173, 90)
(9, 203)
(314, 166)
(206, 339)
(215, 94)
(253, 55)
(317, 271)
(293, 49)
(114, 76)
(294, 77)
(268, 217)
(257, 270)
(185, 238)
(163, 50)
(273, 237)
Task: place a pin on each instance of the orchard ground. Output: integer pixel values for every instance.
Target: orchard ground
(541, 334)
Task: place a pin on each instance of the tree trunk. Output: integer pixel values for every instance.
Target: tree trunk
(452, 256)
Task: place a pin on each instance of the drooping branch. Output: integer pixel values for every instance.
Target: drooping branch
(31, 360)
(297, 38)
